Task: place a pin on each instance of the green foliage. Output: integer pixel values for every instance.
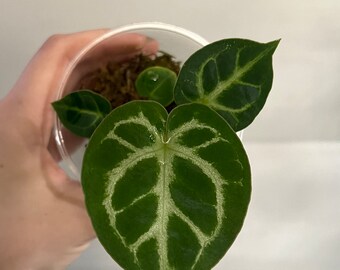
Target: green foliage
(154, 193)
(82, 111)
(171, 190)
(232, 76)
(157, 83)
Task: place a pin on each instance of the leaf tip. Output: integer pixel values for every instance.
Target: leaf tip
(56, 106)
(274, 44)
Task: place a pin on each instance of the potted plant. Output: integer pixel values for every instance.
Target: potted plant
(166, 179)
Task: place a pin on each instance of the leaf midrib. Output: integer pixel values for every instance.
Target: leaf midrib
(236, 76)
(165, 198)
(75, 109)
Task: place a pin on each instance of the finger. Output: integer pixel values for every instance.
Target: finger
(71, 142)
(116, 48)
(49, 63)
(38, 85)
(60, 184)
(45, 71)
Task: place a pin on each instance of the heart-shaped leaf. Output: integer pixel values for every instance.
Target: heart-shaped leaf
(82, 111)
(166, 191)
(232, 76)
(157, 83)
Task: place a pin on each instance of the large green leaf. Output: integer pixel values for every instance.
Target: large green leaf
(232, 76)
(166, 191)
(82, 111)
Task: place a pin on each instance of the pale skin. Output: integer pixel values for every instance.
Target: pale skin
(44, 223)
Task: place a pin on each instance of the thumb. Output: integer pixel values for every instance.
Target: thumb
(60, 184)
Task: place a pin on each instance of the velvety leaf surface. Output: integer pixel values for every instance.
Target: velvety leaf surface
(166, 191)
(231, 76)
(82, 111)
(157, 83)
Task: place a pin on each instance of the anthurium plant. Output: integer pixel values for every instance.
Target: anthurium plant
(168, 187)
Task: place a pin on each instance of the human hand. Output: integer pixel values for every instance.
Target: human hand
(44, 223)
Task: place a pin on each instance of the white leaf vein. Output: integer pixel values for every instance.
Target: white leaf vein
(165, 153)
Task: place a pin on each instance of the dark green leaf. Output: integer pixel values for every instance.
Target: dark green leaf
(231, 76)
(82, 111)
(166, 191)
(157, 83)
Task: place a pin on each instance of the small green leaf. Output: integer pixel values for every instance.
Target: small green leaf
(82, 111)
(231, 76)
(157, 83)
(166, 191)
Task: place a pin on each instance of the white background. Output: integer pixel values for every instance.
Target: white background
(294, 146)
